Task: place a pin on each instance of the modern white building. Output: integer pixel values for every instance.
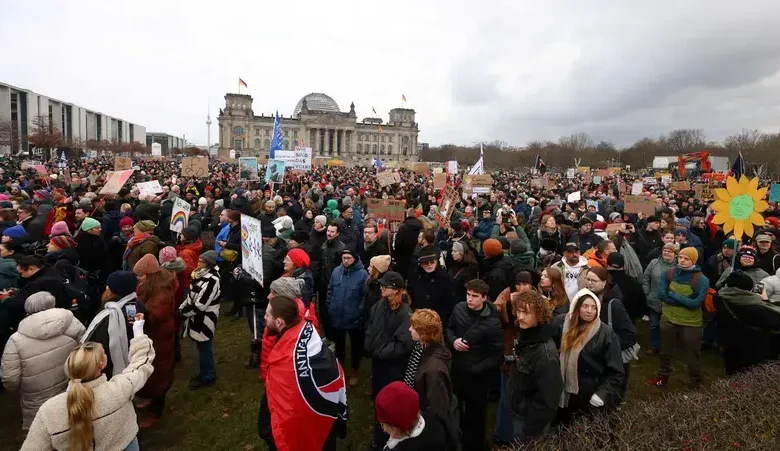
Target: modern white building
(20, 107)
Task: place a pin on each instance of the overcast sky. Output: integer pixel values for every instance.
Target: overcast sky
(515, 70)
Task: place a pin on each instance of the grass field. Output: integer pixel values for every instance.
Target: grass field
(224, 417)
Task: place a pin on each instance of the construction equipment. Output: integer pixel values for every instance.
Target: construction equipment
(701, 164)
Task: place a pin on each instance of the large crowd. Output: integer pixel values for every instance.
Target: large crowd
(515, 295)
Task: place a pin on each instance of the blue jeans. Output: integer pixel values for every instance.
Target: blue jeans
(504, 428)
(208, 371)
(133, 446)
(655, 330)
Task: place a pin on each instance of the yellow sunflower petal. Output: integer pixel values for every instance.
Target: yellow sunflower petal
(760, 194)
(757, 219)
(744, 185)
(739, 229)
(722, 194)
(721, 217)
(760, 206)
(720, 205)
(748, 227)
(753, 185)
(732, 185)
(728, 226)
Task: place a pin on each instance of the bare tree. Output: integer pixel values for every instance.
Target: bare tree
(744, 141)
(43, 135)
(9, 134)
(684, 140)
(576, 142)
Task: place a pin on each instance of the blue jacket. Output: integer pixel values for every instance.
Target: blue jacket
(346, 296)
(683, 277)
(484, 229)
(221, 236)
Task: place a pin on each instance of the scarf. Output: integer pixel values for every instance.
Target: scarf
(417, 430)
(570, 358)
(133, 242)
(413, 364)
(117, 332)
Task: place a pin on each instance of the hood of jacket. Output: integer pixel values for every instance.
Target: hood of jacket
(357, 266)
(46, 324)
(8, 268)
(526, 258)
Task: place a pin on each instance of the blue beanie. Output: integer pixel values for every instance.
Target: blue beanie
(683, 222)
(15, 232)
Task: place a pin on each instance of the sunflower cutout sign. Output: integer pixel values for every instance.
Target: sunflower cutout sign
(739, 205)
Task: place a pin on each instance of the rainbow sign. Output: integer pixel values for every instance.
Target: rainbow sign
(179, 216)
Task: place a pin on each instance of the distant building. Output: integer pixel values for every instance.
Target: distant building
(20, 107)
(318, 122)
(167, 142)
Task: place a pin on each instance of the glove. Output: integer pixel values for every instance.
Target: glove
(595, 401)
(138, 329)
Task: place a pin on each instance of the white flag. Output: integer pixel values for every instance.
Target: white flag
(479, 166)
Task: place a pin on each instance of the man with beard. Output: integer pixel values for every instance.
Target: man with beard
(768, 259)
(572, 267)
(293, 397)
(331, 251)
(81, 213)
(585, 237)
(267, 217)
(648, 239)
(372, 245)
(317, 238)
(718, 263)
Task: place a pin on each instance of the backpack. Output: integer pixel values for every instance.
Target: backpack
(76, 288)
(709, 296)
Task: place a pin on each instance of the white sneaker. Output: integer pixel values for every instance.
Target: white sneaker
(646, 319)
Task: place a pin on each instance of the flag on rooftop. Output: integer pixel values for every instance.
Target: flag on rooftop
(241, 82)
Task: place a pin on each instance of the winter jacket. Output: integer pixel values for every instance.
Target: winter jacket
(769, 261)
(346, 296)
(525, 261)
(100, 332)
(431, 436)
(621, 322)
(160, 326)
(34, 358)
(405, 244)
(34, 226)
(432, 290)
(117, 425)
(498, 272)
(93, 253)
(330, 260)
(681, 298)
(482, 331)
(46, 279)
(747, 328)
(538, 236)
(9, 277)
(110, 224)
(432, 381)
(594, 259)
(316, 240)
(307, 288)
(651, 279)
(535, 382)
(772, 287)
(755, 273)
(486, 229)
(633, 295)
(388, 339)
(715, 267)
(460, 274)
(351, 236)
(645, 242)
(378, 247)
(573, 276)
(201, 308)
(150, 246)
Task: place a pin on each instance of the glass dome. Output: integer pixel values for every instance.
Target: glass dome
(317, 101)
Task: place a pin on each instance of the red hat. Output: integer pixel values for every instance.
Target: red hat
(299, 258)
(774, 221)
(126, 221)
(398, 405)
(600, 225)
(492, 247)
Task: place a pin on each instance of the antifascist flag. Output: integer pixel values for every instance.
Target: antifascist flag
(540, 166)
(738, 167)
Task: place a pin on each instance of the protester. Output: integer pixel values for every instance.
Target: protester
(656, 269)
(409, 429)
(572, 269)
(431, 287)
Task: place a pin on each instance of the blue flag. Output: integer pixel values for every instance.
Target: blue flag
(378, 163)
(277, 143)
(738, 168)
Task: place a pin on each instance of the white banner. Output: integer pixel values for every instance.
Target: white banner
(180, 215)
(153, 187)
(570, 173)
(297, 160)
(156, 150)
(452, 167)
(636, 188)
(252, 246)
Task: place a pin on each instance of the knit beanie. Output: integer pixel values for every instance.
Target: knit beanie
(684, 222)
(85, 204)
(167, 254)
(126, 221)
(398, 405)
(518, 247)
(747, 251)
(15, 232)
(59, 228)
(730, 243)
(299, 258)
(492, 247)
(202, 201)
(122, 283)
(287, 287)
(209, 257)
(89, 224)
(691, 253)
(774, 221)
(146, 265)
(321, 219)
(458, 246)
(146, 225)
(62, 242)
(38, 302)
(382, 262)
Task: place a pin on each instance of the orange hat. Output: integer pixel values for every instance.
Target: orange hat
(146, 265)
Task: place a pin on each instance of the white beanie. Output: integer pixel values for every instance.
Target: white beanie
(38, 302)
(321, 219)
(202, 201)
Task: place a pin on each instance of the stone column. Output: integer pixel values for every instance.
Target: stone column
(339, 140)
(316, 148)
(328, 135)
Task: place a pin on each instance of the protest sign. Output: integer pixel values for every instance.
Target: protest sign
(583, 169)
(156, 149)
(666, 179)
(440, 181)
(615, 171)
(274, 172)
(333, 163)
(146, 188)
(570, 173)
(622, 188)
(774, 193)
(680, 186)
(636, 188)
(592, 203)
(449, 199)
(649, 180)
(195, 167)
(421, 168)
(41, 171)
(122, 163)
(452, 167)
(538, 183)
(252, 247)
(481, 183)
(597, 179)
(603, 173)
(389, 209)
(247, 169)
(116, 181)
(297, 160)
(438, 170)
(705, 191)
(573, 197)
(388, 177)
(640, 204)
(180, 215)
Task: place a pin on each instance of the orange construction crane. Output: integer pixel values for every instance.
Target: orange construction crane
(702, 157)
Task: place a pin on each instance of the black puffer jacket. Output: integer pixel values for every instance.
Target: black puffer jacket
(535, 384)
(482, 331)
(432, 290)
(621, 322)
(498, 272)
(388, 338)
(316, 239)
(405, 244)
(462, 273)
(634, 299)
(369, 251)
(330, 258)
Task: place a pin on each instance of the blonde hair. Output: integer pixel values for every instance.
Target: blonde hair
(125, 207)
(427, 323)
(82, 364)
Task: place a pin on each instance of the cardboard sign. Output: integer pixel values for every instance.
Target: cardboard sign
(389, 209)
(649, 180)
(640, 204)
(705, 191)
(297, 160)
(603, 173)
(116, 181)
(680, 186)
(636, 188)
(180, 215)
(597, 179)
(616, 171)
(122, 163)
(539, 183)
(252, 247)
(774, 193)
(622, 187)
(481, 183)
(666, 179)
(583, 169)
(387, 178)
(449, 200)
(195, 167)
(335, 163)
(421, 168)
(146, 188)
(440, 181)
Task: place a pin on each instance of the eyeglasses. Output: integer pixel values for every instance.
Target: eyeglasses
(429, 262)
